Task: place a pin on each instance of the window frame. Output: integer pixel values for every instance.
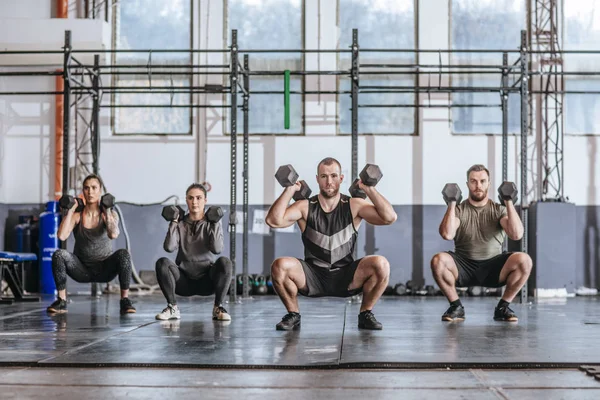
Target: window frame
(114, 111)
(416, 124)
(225, 81)
(566, 79)
(452, 78)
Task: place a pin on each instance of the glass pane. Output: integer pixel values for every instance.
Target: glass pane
(484, 24)
(388, 24)
(483, 119)
(385, 120)
(266, 111)
(582, 32)
(582, 111)
(153, 120)
(279, 28)
(136, 28)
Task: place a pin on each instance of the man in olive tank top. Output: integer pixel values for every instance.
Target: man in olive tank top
(329, 223)
(478, 227)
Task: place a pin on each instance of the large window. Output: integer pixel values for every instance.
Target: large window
(582, 32)
(269, 24)
(381, 24)
(484, 24)
(153, 24)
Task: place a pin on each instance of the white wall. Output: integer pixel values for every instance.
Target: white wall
(148, 169)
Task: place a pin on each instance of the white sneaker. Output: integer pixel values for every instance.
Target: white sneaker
(171, 312)
(220, 314)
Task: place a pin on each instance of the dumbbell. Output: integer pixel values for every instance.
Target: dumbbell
(389, 291)
(400, 289)
(67, 201)
(370, 176)
(451, 192)
(475, 291)
(260, 285)
(286, 175)
(430, 289)
(173, 213)
(492, 291)
(508, 191)
(240, 283)
(107, 201)
(214, 214)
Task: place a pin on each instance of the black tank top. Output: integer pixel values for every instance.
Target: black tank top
(92, 245)
(329, 238)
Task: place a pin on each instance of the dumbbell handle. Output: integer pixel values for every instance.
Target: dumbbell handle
(356, 191)
(296, 187)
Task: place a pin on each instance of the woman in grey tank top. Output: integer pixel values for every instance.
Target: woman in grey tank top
(92, 259)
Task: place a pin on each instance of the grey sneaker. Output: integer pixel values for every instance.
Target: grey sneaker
(220, 314)
(170, 312)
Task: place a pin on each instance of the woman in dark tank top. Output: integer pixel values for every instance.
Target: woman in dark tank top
(92, 260)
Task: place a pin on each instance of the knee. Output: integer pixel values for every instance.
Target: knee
(381, 267)
(439, 263)
(162, 265)
(525, 263)
(225, 265)
(123, 257)
(280, 268)
(59, 257)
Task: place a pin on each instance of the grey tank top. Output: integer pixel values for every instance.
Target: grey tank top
(92, 245)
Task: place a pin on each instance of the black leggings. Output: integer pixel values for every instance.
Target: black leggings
(65, 263)
(172, 280)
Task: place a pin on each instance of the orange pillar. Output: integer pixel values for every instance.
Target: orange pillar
(62, 8)
(62, 11)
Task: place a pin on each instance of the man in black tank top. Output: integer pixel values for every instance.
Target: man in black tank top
(329, 222)
(92, 259)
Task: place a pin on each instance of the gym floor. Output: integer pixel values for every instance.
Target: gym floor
(95, 353)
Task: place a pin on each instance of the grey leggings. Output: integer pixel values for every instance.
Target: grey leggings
(68, 264)
(172, 280)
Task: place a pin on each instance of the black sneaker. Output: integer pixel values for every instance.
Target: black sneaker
(58, 307)
(126, 306)
(454, 313)
(289, 322)
(367, 320)
(505, 314)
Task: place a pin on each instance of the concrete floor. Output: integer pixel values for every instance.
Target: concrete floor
(93, 352)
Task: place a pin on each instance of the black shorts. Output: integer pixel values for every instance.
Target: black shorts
(321, 282)
(484, 273)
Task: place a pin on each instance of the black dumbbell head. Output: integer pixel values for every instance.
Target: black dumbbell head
(303, 193)
(452, 192)
(508, 191)
(66, 202)
(370, 175)
(286, 175)
(214, 214)
(80, 204)
(355, 191)
(400, 289)
(171, 213)
(107, 201)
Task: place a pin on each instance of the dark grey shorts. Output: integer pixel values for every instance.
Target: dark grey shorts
(321, 282)
(484, 273)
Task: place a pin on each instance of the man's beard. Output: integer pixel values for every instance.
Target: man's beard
(478, 197)
(329, 195)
